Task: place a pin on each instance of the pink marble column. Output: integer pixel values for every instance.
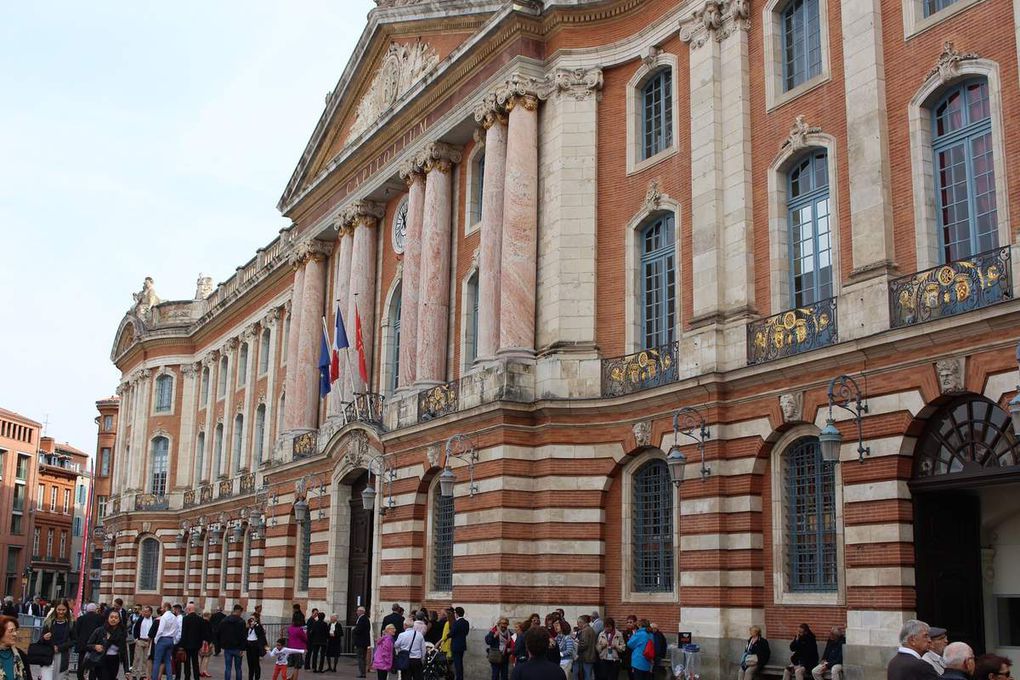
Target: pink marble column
(290, 380)
(520, 230)
(305, 398)
(438, 160)
(362, 217)
(492, 118)
(414, 176)
(341, 292)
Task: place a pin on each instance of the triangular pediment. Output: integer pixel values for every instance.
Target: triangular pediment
(404, 45)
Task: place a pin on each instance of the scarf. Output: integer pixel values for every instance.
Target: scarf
(19, 667)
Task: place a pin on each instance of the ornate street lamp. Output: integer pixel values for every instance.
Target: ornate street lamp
(301, 490)
(1014, 403)
(384, 472)
(685, 421)
(458, 446)
(845, 393)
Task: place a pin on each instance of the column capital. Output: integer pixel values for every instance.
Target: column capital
(489, 112)
(716, 19)
(439, 156)
(191, 369)
(577, 83)
(411, 171)
(231, 344)
(362, 213)
(271, 317)
(307, 250)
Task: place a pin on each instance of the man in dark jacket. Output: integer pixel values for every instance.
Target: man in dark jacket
(9, 608)
(83, 629)
(194, 632)
(395, 617)
(214, 624)
(805, 654)
(459, 630)
(907, 664)
(318, 636)
(832, 657)
(959, 661)
(233, 635)
(362, 638)
(587, 648)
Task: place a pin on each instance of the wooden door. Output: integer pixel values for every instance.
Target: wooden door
(359, 567)
(947, 557)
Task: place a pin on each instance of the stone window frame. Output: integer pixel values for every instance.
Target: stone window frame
(923, 163)
(265, 351)
(159, 551)
(771, 20)
(780, 295)
(650, 66)
(915, 23)
(204, 385)
(164, 372)
(780, 591)
(259, 443)
(389, 364)
(473, 199)
(237, 440)
(201, 458)
(159, 434)
(632, 252)
(430, 593)
(466, 310)
(222, 377)
(627, 592)
(243, 352)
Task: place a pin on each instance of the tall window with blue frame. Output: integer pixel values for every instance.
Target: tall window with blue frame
(471, 332)
(395, 344)
(808, 206)
(658, 281)
(160, 455)
(964, 171)
(652, 539)
(657, 113)
(305, 557)
(442, 541)
(802, 42)
(810, 518)
(259, 435)
(164, 393)
(478, 186)
(932, 6)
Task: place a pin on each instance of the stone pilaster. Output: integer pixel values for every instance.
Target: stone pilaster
(493, 120)
(271, 321)
(414, 175)
(231, 458)
(211, 362)
(189, 413)
(250, 336)
(139, 430)
(438, 160)
(293, 342)
(362, 218)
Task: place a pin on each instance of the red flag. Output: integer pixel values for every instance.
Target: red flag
(359, 345)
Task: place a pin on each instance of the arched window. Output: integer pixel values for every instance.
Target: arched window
(442, 541)
(305, 554)
(658, 281)
(264, 352)
(222, 378)
(802, 42)
(395, 310)
(286, 338)
(205, 386)
(970, 435)
(657, 113)
(148, 564)
(810, 518)
(807, 204)
(653, 528)
(242, 364)
(279, 414)
(260, 434)
(477, 186)
(200, 458)
(218, 452)
(964, 172)
(236, 451)
(164, 393)
(160, 455)
(471, 320)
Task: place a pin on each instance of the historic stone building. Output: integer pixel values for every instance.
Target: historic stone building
(562, 225)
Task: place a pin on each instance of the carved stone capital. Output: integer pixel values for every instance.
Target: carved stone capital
(578, 83)
(439, 156)
(528, 102)
(312, 249)
(799, 131)
(231, 344)
(948, 65)
(411, 171)
(490, 112)
(716, 19)
(190, 370)
(362, 213)
(271, 317)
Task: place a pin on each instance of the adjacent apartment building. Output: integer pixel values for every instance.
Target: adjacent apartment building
(703, 311)
(19, 438)
(61, 466)
(102, 475)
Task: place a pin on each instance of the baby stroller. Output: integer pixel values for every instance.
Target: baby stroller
(434, 664)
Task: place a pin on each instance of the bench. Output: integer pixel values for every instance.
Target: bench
(776, 671)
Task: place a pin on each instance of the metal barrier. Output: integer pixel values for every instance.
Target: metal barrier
(275, 631)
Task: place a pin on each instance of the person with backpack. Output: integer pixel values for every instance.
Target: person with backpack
(642, 651)
(661, 648)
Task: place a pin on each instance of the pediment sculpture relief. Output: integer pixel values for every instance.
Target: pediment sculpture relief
(402, 67)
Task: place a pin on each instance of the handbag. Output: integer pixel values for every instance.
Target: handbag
(40, 654)
(494, 656)
(649, 651)
(402, 661)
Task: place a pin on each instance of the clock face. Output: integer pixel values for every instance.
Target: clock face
(400, 228)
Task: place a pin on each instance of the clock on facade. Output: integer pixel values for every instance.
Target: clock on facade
(400, 228)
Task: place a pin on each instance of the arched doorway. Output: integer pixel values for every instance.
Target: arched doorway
(359, 563)
(966, 491)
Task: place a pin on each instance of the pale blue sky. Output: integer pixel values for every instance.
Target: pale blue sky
(141, 139)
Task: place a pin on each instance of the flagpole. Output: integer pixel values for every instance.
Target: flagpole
(354, 393)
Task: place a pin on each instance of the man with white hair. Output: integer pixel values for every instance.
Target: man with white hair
(959, 658)
(907, 663)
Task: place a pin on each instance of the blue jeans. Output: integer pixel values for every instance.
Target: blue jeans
(164, 654)
(232, 657)
(588, 668)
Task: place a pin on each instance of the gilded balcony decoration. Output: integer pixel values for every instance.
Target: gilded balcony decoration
(438, 401)
(304, 444)
(792, 332)
(190, 498)
(115, 503)
(641, 370)
(205, 494)
(225, 488)
(367, 407)
(248, 482)
(148, 501)
(950, 289)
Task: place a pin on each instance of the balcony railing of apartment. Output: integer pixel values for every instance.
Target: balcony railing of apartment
(148, 501)
(366, 407)
(950, 289)
(438, 401)
(641, 370)
(792, 332)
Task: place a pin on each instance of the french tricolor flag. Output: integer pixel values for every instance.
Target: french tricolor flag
(339, 342)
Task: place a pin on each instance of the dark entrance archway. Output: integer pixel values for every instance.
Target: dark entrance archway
(359, 563)
(967, 445)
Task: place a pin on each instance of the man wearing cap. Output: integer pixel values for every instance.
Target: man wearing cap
(939, 640)
(395, 618)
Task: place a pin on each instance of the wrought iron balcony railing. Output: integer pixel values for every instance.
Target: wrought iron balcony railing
(205, 494)
(190, 498)
(148, 501)
(792, 332)
(304, 445)
(366, 407)
(950, 289)
(225, 488)
(438, 401)
(247, 484)
(641, 370)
